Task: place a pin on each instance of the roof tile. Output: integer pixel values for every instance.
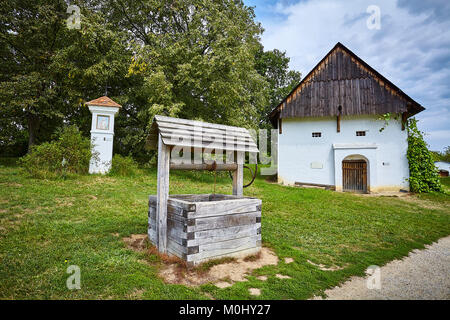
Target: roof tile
(103, 102)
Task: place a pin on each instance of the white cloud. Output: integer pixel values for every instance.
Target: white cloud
(412, 48)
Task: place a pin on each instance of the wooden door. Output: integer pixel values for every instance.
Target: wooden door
(354, 175)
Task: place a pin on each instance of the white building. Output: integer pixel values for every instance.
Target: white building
(330, 132)
(443, 168)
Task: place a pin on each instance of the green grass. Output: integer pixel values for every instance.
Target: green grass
(446, 182)
(46, 225)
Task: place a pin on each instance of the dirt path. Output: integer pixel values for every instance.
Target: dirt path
(423, 274)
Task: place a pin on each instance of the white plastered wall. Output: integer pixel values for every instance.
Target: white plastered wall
(102, 139)
(303, 158)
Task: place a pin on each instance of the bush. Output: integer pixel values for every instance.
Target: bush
(423, 174)
(69, 153)
(123, 166)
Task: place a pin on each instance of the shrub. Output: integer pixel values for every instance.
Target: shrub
(423, 175)
(69, 153)
(123, 166)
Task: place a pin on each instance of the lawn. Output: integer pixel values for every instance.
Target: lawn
(446, 182)
(47, 225)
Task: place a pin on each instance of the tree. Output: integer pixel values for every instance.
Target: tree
(30, 31)
(199, 60)
(273, 65)
(437, 156)
(193, 60)
(47, 68)
(446, 155)
(441, 156)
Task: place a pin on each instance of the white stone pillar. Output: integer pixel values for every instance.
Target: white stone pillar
(102, 133)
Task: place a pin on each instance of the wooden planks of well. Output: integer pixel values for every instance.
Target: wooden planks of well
(202, 227)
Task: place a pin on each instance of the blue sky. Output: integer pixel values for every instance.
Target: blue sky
(411, 48)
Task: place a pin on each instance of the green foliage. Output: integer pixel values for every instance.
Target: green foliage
(70, 153)
(273, 65)
(31, 32)
(423, 175)
(193, 60)
(386, 118)
(44, 161)
(446, 155)
(48, 69)
(199, 62)
(198, 59)
(442, 156)
(437, 156)
(13, 139)
(123, 166)
(445, 181)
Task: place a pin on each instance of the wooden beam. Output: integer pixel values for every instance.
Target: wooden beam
(162, 194)
(338, 119)
(280, 128)
(204, 166)
(308, 184)
(238, 175)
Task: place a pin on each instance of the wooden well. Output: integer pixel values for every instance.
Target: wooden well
(209, 226)
(200, 227)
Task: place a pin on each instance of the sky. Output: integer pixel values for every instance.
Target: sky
(410, 45)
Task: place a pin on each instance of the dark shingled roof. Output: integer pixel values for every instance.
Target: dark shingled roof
(341, 78)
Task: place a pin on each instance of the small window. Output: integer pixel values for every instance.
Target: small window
(103, 122)
(360, 133)
(317, 134)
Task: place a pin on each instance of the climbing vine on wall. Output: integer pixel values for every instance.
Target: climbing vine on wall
(386, 118)
(423, 175)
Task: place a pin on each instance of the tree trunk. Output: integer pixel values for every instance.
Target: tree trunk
(33, 127)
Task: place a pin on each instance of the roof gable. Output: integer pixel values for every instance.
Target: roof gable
(199, 134)
(342, 79)
(103, 102)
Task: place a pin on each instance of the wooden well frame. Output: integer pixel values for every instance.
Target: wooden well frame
(236, 219)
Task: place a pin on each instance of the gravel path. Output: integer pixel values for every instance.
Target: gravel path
(423, 275)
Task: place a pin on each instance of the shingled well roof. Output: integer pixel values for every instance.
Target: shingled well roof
(198, 134)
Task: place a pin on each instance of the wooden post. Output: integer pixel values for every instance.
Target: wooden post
(338, 119)
(162, 194)
(338, 123)
(238, 175)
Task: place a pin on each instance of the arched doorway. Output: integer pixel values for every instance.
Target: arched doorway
(354, 174)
